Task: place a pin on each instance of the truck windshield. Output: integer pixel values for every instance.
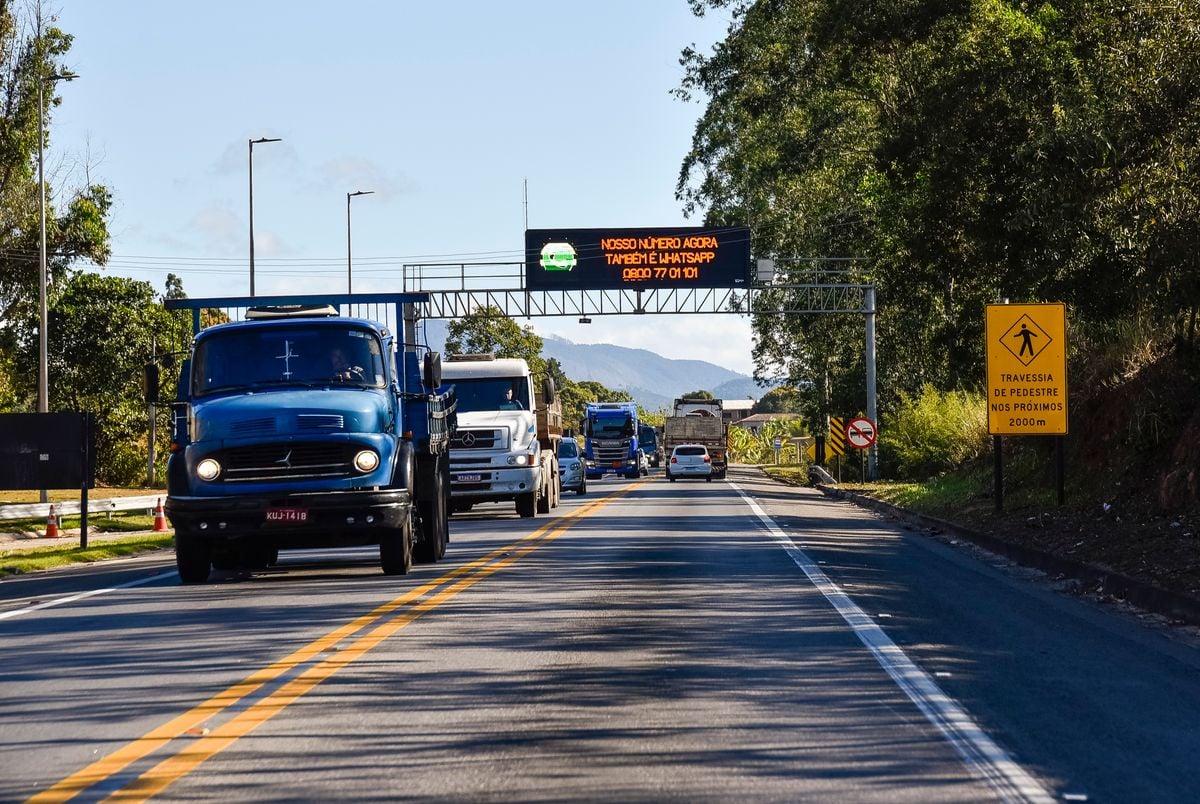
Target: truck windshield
(646, 436)
(261, 357)
(491, 393)
(611, 427)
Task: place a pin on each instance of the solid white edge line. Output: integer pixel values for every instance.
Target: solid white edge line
(81, 596)
(981, 754)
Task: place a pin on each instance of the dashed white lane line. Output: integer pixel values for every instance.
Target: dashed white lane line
(981, 754)
(83, 595)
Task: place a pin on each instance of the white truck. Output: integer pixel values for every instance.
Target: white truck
(509, 429)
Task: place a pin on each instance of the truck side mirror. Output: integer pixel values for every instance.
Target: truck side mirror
(548, 390)
(432, 374)
(150, 382)
(185, 380)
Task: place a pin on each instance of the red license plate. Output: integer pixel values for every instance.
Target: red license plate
(616, 464)
(287, 515)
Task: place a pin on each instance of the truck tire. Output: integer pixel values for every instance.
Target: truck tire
(396, 549)
(527, 504)
(432, 546)
(193, 557)
(544, 499)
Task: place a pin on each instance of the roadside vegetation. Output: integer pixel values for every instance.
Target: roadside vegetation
(20, 560)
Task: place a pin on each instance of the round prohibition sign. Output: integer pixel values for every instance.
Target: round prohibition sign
(861, 432)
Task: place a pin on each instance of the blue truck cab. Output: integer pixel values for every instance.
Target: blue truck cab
(649, 442)
(297, 427)
(611, 439)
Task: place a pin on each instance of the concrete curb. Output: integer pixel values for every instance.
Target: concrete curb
(1104, 582)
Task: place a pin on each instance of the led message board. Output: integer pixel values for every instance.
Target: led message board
(662, 257)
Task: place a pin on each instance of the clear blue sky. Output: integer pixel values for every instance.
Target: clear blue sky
(442, 109)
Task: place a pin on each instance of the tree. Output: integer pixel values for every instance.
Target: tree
(698, 395)
(76, 230)
(784, 399)
(971, 150)
(487, 330)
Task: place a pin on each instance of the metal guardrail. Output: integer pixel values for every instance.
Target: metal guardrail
(68, 508)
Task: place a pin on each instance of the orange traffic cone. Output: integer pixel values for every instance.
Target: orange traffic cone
(160, 519)
(52, 524)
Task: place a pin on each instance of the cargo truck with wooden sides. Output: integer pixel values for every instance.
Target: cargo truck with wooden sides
(299, 427)
(698, 420)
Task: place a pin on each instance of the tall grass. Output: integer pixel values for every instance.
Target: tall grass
(934, 432)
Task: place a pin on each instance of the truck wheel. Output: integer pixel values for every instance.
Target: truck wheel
(432, 546)
(193, 557)
(396, 550)
(527, 504)
(543, 500)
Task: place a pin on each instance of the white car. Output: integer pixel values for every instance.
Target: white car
(690, 460)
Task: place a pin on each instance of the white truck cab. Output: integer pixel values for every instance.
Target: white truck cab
(503, 449)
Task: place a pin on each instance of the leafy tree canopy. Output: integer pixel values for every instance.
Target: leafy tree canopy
(968, 151)
(488, 330)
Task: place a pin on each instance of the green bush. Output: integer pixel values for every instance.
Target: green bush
(934, 432)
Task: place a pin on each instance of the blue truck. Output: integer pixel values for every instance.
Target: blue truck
(297, 427)
(610, 432)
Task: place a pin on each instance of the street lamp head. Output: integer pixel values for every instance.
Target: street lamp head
(65, 75)
(360, 192)
(266, 139)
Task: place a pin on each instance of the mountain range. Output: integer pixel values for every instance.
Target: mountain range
(652, 380)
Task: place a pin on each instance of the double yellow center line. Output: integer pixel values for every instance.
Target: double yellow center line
(325, 659)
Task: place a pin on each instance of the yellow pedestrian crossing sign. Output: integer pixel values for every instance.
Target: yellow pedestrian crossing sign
(1026, 369)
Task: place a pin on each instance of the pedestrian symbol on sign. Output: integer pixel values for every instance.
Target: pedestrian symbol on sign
(1025, 340)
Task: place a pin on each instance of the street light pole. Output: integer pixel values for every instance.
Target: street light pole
(349, 272)
(43, 312)
(251, 146)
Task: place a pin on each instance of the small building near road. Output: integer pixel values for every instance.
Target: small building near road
(734, 410)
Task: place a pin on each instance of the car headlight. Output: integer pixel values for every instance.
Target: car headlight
(574, 466)
(366, 461)
(208, 469)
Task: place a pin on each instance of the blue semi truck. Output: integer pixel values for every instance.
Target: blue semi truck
(611, 444)
(297, 427)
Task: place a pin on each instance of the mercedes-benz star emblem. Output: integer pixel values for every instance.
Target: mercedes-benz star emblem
(286, 460)
(468, 439)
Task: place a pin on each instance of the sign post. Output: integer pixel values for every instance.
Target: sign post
(1026, 376)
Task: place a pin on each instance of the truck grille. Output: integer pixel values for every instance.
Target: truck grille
(609, 451)
(477, 439)
(288, 461)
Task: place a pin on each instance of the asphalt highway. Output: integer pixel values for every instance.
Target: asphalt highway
(691, 641)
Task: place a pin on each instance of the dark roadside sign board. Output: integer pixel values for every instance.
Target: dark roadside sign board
(49, 451)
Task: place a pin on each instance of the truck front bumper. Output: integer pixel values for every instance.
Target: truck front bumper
(598, 469)
(487, 484)
(316, 519)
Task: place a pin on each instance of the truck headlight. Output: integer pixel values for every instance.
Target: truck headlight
(366, 460)
(208, 469)
(518, 460)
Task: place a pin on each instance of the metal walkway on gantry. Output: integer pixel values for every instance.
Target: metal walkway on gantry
(456, 289)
